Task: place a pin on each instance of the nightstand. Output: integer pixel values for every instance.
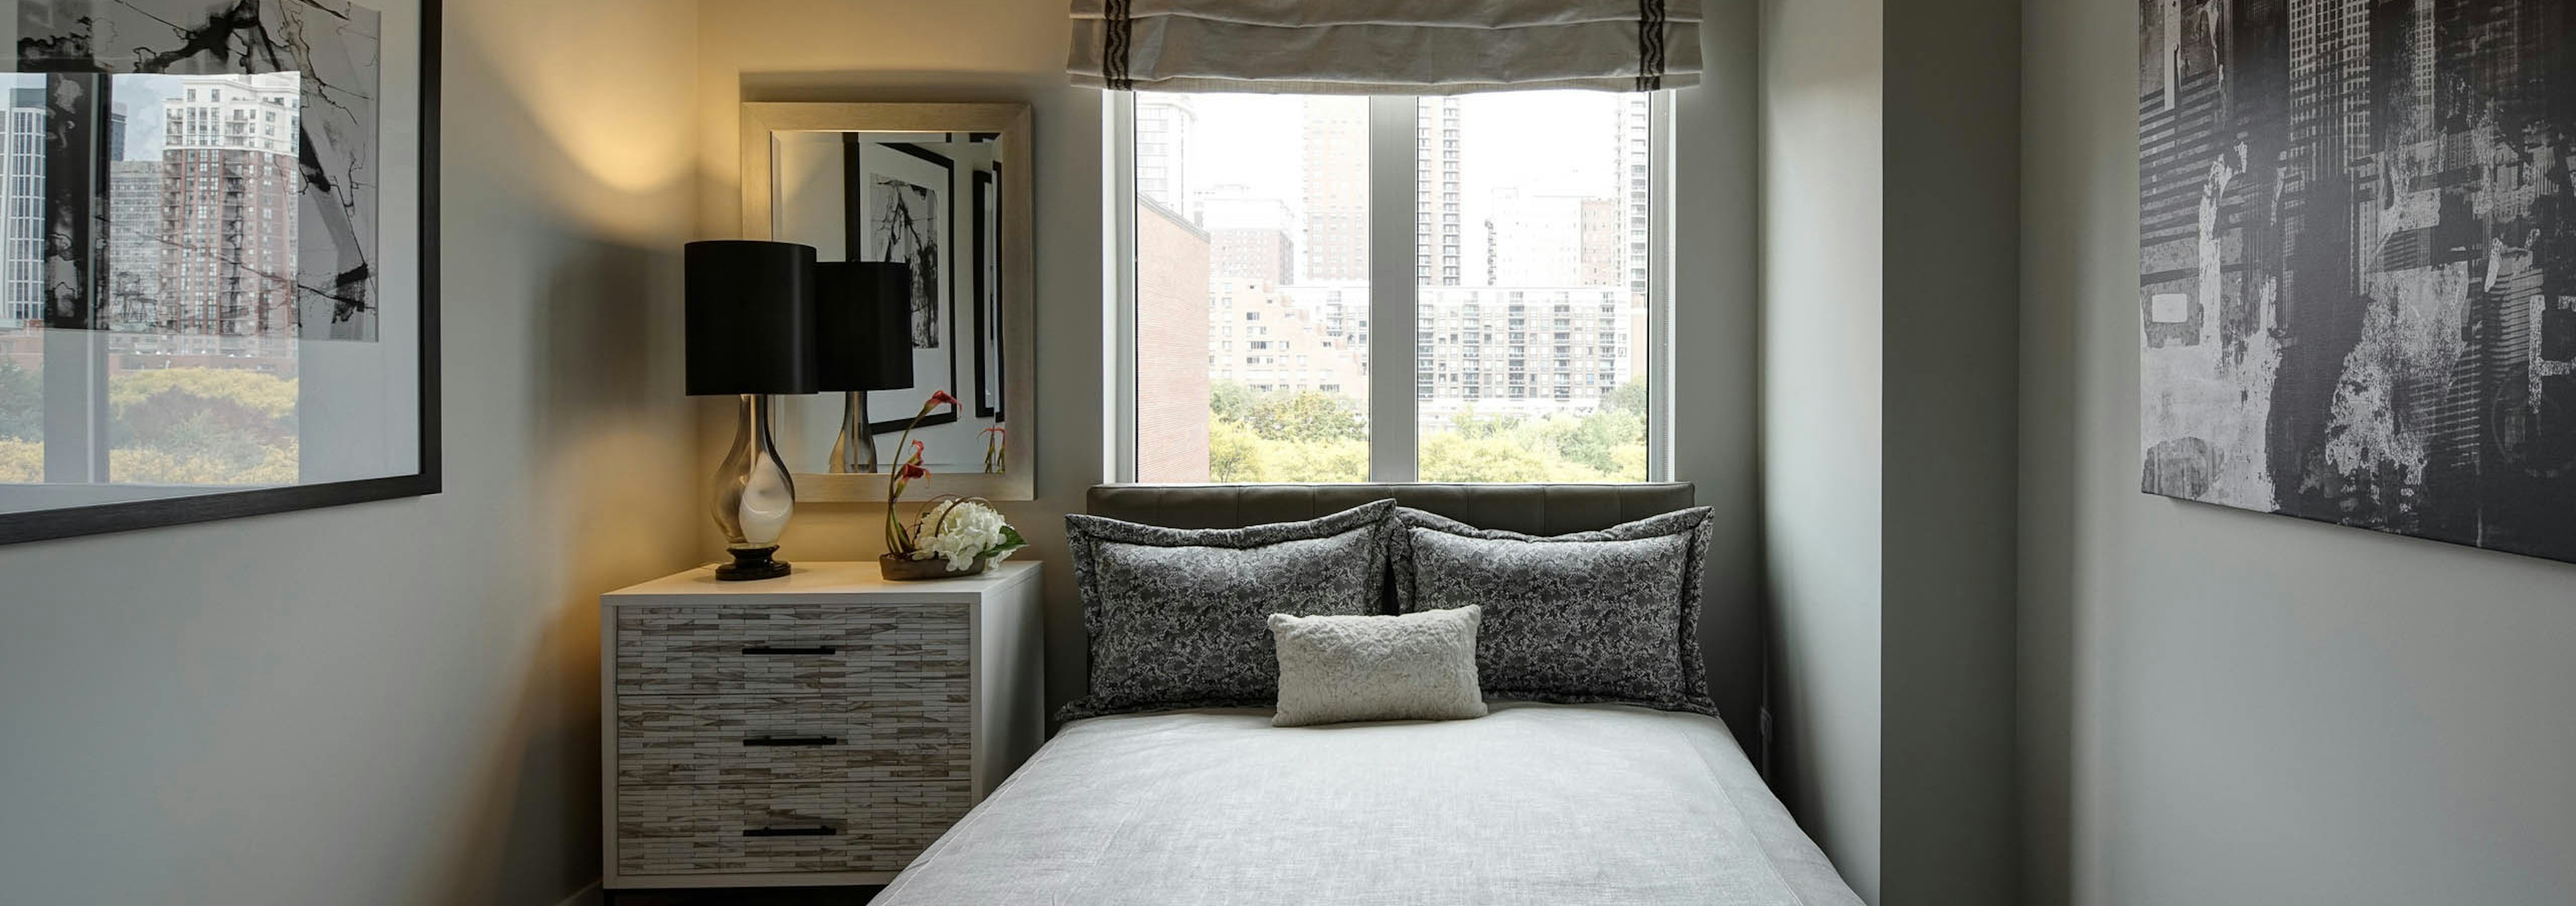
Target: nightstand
(816, 729)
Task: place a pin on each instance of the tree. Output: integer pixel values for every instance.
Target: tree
(22, 403)
(1301, 415)
(1451, 456)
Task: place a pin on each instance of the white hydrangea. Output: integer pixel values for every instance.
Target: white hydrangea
(965, 531)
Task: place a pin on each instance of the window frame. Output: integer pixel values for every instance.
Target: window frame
(1394, 421)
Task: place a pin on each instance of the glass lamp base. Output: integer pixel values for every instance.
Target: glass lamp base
(751, 563)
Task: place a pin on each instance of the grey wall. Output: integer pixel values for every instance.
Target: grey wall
(1716, 286)
(2228, 707)
(1888, 320)
(1951, 152)
(970, 50)
(396, 702)
(1820, 315)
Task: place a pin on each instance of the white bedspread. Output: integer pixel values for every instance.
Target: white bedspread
(1533, 804)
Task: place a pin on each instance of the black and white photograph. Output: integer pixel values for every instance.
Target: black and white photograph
(902, 197)
(2356, 236)
(215, 215)
(906, 204)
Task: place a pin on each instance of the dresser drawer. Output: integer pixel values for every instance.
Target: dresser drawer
(759, 828)
(753, 648)
(915, 734)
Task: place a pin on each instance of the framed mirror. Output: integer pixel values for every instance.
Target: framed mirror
(946, 190)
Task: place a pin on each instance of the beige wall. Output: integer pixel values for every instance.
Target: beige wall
(2229, 707)
(963, 50)
(396, 702)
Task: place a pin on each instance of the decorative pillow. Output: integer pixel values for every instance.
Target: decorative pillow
(1177, 616)
(1416, 666)
(1606, 616)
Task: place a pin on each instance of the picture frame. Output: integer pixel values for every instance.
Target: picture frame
(900, 198)
(989, 358)
(293, 367)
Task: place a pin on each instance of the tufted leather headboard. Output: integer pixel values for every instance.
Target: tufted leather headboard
(1537, 509)
(1728, 639)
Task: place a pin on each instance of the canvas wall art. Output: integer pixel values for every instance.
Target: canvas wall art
(2357, 236)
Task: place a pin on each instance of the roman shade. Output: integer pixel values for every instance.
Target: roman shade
(1384, 46)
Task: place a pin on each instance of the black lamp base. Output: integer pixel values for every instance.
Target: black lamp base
(751, 563)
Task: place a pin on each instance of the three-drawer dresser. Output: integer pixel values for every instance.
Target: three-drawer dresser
(819, 728)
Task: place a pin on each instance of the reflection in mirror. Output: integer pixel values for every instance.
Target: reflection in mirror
(932, 201)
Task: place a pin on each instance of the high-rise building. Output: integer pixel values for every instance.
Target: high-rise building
(1262, 338)
(1265, 255)
(1250, 237)
(1436, 216)
(1601, 257)
(1163, 123)
(228, 186)
(1634, 189)
(1541, 240)
(1343, 311)
(1523, 350)
(1336, 189)
(134, 301)
(22, 205)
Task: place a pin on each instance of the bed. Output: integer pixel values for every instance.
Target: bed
(1530, 804)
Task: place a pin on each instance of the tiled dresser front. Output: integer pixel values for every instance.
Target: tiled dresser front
(756, 740)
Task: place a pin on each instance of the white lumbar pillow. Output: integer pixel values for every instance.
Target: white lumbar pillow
(1418, 666)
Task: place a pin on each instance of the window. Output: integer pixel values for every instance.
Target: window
(1537, 209)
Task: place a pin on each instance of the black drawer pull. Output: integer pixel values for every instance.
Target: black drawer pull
(791, 741)
(819, 830)
(790, 649)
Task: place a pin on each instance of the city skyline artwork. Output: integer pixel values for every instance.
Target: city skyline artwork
(2357, 237)
(277, 99)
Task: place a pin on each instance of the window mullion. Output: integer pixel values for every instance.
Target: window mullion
(1119, 268)
(1392, 288)
(1657, 344)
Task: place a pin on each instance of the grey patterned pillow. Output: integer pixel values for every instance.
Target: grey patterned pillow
(1179, 618)
(1606, 616)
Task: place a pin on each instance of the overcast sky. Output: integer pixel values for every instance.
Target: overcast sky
(1543, 143)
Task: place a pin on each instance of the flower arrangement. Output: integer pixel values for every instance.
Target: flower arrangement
(996, 447)
(963, 534)
(963, 530)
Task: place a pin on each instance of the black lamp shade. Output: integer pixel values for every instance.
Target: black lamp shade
(863, 310)
(751, 318)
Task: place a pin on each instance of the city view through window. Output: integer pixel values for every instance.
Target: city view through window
(1252, 282)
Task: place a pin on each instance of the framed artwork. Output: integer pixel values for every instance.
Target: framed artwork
(988, 293)
(2356, 238)
(901, 211)
(220, 289)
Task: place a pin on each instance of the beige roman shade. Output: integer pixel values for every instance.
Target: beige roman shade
(1384, 46)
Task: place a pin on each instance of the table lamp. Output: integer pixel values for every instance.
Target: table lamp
(751, 332)
(864, 313)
